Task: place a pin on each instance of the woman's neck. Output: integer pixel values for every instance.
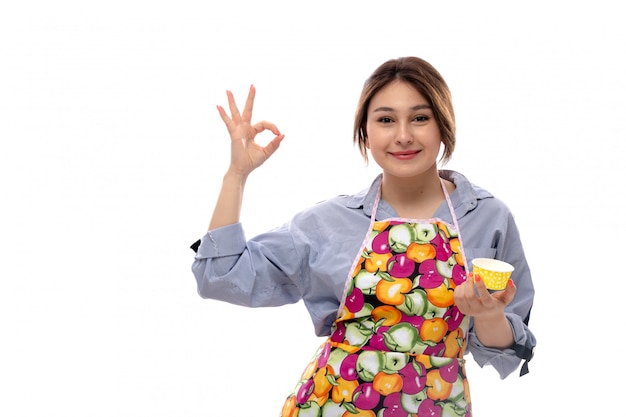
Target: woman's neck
(416, 197)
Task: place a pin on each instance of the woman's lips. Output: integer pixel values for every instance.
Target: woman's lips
(405, 154)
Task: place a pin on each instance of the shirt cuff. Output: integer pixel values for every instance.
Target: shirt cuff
(223, 241)
(505, 361)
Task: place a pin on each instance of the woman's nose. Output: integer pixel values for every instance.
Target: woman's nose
(403, 135)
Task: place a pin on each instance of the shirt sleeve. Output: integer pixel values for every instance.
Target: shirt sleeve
(306, 259)
(508, 247)
(258, 273)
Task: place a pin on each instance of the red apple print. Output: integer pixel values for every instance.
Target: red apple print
(413, 378)
(444, 251)
(322, 360)
(435, 350)
(380, 243)
(454, 317)
(438, 239)
(340, 333)
(355, 301)
(450, 371)
(458, 274)
(429, 277)
(365, 396)
(415, 321)
(305, 392)
(377, 341)
(392, 406)
(442, 247)
(428, 408)
(400, 266)
(347, 370)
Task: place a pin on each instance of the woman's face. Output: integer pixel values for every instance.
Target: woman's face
(402, 134)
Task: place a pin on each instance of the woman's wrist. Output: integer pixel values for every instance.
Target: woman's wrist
(494, 331)
(235, 177)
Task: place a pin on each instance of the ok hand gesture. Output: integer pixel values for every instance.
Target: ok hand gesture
(246, 154)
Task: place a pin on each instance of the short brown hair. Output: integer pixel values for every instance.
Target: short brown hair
(425, 79)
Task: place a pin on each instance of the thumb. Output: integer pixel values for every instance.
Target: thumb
(507, 295)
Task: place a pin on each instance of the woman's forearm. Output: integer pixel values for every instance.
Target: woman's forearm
(228, 206)
(494, 332)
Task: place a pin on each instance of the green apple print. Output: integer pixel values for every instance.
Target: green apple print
(366, 282)
(440, 361)
(401, 236)
(425, 232)
(433, 311)
(370, 240)
(369, 363)
(394, 361)
(451, 410)
(415, 303)
(420, 347)
(401, 337)
(411, 402)
(335, 359)
(310, 409)
(357, 334)
(332, 409)
(458, 390)
(444, 268)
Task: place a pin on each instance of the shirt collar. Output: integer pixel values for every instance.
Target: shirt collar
(366, 198)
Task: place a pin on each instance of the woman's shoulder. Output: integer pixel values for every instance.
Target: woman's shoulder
(330, 206)
(358, 201)
(472, 196)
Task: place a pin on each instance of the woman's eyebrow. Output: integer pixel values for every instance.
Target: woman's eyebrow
(418, 107)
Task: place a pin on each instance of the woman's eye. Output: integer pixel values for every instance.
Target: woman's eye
(385, 120)
(421, 118)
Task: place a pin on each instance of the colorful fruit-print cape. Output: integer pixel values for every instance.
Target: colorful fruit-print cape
(397, 347)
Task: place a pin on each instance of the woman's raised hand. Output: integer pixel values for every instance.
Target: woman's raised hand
(246, 154)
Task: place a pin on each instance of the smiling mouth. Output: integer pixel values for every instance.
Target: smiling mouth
(405, 154)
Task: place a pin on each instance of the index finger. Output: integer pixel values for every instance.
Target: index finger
(265, 125)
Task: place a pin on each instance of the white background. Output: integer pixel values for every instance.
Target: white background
(113, 152)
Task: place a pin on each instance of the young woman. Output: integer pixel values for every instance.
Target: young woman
(384, 273)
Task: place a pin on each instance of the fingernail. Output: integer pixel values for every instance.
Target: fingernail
(476, 278)
(511, 283)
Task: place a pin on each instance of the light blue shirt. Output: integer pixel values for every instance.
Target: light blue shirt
(309, 258)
